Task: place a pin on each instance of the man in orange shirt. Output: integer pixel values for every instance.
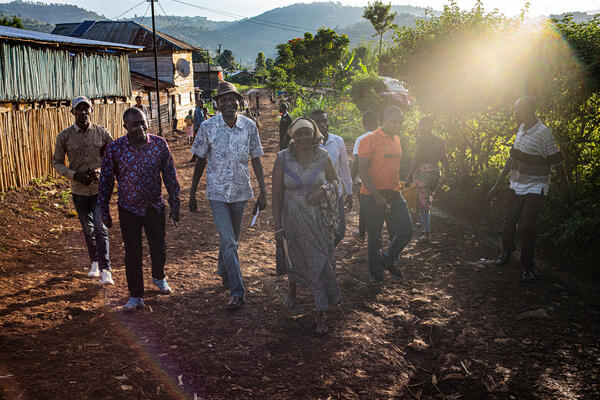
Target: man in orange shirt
(379, 156)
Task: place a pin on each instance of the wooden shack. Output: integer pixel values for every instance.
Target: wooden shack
(174, 59)
(205, 80)
(145, 87)
(40, 74)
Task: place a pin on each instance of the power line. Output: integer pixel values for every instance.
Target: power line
(270, 24)
(125, 12)
(144, 16)
(170, 20)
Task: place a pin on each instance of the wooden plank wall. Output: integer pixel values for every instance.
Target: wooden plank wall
(27, 139)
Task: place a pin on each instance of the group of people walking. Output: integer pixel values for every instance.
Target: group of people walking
(312, 186)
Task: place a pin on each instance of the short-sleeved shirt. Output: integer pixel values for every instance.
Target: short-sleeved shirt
(337, 152)
(83, 150)
(138, 173)
(227, 152)
(189, 120)
(357, 142)
(385, 153)
(532, 155)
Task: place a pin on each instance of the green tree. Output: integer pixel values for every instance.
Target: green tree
(270, 63)
(14, 22)
(260, 64)
(226, 60)
(312, 60)
(379, 15)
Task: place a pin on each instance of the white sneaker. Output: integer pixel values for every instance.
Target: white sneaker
(94, 271)
(106, 277)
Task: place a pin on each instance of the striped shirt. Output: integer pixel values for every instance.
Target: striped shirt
(532, 155)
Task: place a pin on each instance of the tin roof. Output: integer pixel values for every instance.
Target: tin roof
(129, 32)
(146, 82)
(202, 67)
(24, 35)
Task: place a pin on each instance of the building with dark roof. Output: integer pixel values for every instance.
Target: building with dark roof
(37, 66)
(174, 59)
(40, 73)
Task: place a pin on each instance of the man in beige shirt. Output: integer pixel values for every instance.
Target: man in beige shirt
(83, 143)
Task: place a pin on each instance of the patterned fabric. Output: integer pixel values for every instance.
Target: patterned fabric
(427, 178)
(138, 173)
(227, 152)
(308, 228)
(528, 177)
(337, 151)
(83, 150)
(329, 209)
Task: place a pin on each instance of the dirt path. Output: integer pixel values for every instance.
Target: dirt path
(453, 328)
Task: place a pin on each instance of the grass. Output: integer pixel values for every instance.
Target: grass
(243, 88)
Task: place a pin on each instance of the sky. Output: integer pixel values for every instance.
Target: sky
(113, 8)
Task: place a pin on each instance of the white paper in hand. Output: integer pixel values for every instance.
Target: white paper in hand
(255, 213)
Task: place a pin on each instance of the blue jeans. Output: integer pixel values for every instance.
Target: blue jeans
(228, 219)
(399, 225)
(94, 231)
(341, 232)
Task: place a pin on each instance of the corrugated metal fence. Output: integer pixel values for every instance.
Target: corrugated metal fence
(36, 74)
(27, 139)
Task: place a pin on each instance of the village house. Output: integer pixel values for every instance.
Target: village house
(175, 65)
(40, 73)
(204, 79)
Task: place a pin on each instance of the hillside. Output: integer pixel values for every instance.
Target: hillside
(248, 36)
(48, 13)
(245, 37)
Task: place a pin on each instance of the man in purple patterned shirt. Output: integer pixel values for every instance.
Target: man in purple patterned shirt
(137, 161)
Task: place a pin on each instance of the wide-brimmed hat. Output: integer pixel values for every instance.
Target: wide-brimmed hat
(224, 88)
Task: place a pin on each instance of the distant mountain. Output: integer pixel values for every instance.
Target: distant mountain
(245, 37)
(48, 13)
(32, 24)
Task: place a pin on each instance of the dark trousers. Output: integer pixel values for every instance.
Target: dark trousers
(153, 223)
(523, 211)
(94, 231)
(399, 225)
(362, 224)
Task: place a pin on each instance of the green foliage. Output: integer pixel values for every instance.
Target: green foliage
(313, 60)
(344, 118)
(226, 60)
(270, 63)
(14, 22)
(467, 67)
(260, 64)
(379, 15)
(365, 91)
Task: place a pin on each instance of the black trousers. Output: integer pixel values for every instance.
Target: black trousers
(153, 223)
(523, 211)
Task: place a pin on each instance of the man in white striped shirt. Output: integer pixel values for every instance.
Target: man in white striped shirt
(531, 158)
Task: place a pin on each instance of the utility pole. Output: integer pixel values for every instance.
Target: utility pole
(160, 133)
(208, 67)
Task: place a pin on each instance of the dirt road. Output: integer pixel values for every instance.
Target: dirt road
(453, 328)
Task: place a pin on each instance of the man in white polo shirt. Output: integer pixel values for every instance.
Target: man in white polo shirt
(531, 158)
(336, 148)
(370, 123)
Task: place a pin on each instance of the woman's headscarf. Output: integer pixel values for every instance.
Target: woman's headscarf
(305, 122)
